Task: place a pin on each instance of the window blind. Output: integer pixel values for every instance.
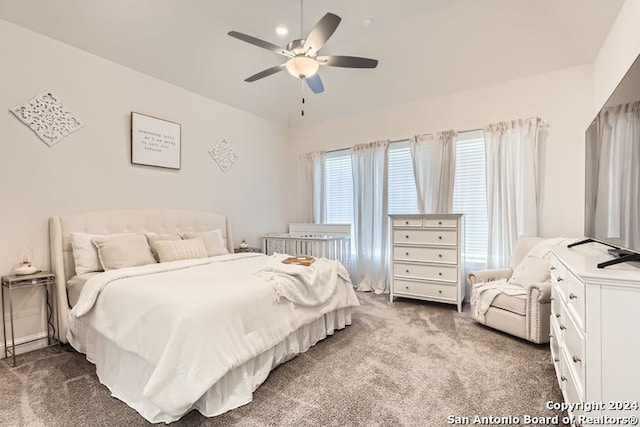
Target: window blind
(339, 187)
(470, 194)
(401, 186)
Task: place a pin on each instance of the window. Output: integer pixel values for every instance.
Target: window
(470, 194)
(338, 187)
(401, 186)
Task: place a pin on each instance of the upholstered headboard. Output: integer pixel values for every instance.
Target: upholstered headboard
(164, 221)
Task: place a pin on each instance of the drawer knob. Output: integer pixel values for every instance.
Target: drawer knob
(552, 268)
(439, 237)
(562, 327)
(406, 253)
(406, 223)
(407, 270)
(440, 273)
(563, 378)
(406, 287)
(439, 255)
(439, 222)
(555, 359)
(560, 279)
(558, 315)
(550, 335)
(576, 359)
(573, 296)
(439, 291)
(407, 236)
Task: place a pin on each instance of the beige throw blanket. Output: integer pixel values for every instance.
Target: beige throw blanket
(483, 294)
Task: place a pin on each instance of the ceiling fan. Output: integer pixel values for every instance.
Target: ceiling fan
(303, 61)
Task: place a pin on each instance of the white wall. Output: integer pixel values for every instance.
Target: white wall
(617, 53)
(91, 168)
(563, 98)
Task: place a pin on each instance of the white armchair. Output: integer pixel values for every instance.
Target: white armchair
(517, 299)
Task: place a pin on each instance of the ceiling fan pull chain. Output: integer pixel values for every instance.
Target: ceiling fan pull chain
(302, 95)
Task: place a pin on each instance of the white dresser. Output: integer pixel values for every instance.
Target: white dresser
(595, 334)
(427, 258)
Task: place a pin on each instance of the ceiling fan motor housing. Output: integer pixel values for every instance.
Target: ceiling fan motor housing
(296, 47)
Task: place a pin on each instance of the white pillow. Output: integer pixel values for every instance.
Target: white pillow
(213, 241)
(531, 270)
(155, 237)
(123, 251)
(85, 254)
(173, 250)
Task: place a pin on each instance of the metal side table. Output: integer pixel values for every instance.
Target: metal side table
(13, 282)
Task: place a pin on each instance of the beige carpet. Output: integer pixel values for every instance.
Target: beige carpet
(409, 363)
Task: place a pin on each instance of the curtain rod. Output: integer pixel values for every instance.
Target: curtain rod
(392, 141)
(543, 124)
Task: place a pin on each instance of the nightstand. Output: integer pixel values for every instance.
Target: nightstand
(249, 249)
(11, 283)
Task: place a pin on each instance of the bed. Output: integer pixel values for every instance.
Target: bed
(191, 331)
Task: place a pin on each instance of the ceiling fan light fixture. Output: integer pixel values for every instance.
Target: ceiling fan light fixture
(302, 66)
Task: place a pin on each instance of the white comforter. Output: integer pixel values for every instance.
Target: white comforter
(194, 320)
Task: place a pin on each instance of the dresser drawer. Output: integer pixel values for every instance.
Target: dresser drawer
(441, 222)
(574, 345)
(575, 299)
(555, 346)
(420, 289)
(428, 272)
(427, 237)
(556, 301)
(559, 276)
(411, 253)
(407, 222)
(571, 391)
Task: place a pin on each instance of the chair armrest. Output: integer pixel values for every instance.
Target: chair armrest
(488, 275)
(541, 291)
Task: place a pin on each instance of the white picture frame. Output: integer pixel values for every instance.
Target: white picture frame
(155, 142)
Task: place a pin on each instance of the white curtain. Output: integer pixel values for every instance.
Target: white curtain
(369, 163)
(511, 150)
(618, 178)
(312, 206)
(434, 166)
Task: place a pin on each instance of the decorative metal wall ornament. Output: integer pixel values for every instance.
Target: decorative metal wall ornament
(223, 154)
(47, 117)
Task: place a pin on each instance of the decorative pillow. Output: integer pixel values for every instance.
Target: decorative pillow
(155, 237)
(123, 251)
(213, 241)
(173, 250)
(531, 270)
(85, 254)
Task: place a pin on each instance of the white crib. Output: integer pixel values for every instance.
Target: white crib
(331, 241)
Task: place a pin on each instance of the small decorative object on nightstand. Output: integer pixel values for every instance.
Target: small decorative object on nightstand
(12, 282)
(243, 245)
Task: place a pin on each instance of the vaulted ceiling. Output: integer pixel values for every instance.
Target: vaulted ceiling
(425, 47)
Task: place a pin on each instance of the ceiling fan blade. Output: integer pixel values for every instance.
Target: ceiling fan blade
(348, 61)
(265, 73)
(260, 43)
(321, 32)
(315, 83)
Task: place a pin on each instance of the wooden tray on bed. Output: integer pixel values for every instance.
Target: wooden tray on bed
(299, 260)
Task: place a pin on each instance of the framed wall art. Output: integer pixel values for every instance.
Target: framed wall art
(155, 142)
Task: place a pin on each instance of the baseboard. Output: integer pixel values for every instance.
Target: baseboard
(26, 344)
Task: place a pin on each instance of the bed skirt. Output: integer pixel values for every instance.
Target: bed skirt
(126, 373)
